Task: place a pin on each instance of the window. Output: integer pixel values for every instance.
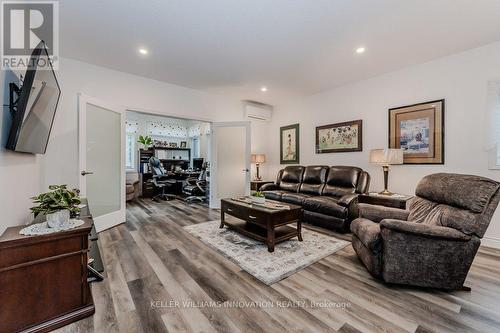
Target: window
(196, 147)
(130, 152)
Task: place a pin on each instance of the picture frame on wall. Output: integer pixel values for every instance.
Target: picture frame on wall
(183, 144)
(418, 129)
(340, 137)
(289, 144)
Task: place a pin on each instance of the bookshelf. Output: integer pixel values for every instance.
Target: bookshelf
(170, 158)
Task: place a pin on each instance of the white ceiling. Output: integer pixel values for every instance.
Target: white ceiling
(293, 47)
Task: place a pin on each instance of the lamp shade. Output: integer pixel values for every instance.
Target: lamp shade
(258, 158)
(386, 156)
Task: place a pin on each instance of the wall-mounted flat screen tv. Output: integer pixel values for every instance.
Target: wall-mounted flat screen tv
(35, 109)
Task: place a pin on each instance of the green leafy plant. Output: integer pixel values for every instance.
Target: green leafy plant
(258, 194)
(146, 141)
(59, 198)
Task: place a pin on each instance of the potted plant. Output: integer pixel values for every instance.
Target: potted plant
(146, 141)
(57, 205)
(258, 198)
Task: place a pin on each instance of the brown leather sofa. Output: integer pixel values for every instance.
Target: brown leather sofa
(327, 194)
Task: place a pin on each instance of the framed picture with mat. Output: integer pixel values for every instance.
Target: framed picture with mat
(418, 130)
(289, 144)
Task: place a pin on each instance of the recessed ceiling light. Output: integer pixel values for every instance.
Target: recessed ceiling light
(263, 89)
(360, 50)
(143, 51)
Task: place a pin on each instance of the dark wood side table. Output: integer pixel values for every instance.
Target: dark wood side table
(43, 279)
(395, 201)
(255, 185)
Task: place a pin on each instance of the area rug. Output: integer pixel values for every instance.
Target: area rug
(252, 256)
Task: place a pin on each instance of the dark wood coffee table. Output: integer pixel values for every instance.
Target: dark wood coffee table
(268, 225)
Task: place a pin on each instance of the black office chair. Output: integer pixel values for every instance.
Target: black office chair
(160, 180)
(196, 188)
(198, 163)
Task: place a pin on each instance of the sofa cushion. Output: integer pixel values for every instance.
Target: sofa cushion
(274, 195)
(129, 188)
(341, 180)
(368, 232)
(463, 191)
(325, 205)
(419, 209)
(456, 218)
(291, 178)
(314, 179)
(294, 198)
(363, 182)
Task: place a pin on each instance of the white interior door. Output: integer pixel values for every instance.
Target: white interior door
(101, 129)
(230, 167)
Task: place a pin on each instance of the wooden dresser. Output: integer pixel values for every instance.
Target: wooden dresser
(43, 279)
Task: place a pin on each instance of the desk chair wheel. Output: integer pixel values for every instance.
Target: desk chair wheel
(195, 198)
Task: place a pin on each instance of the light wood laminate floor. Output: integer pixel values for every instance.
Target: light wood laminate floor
(156, 272)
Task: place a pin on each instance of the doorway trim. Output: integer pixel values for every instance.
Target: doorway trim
(108, 220)
(213, 158)
(210, 122)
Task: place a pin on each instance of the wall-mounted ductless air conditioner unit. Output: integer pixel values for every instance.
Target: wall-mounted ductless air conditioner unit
(257, 111)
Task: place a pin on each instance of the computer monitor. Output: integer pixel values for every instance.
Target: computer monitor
(197, 163)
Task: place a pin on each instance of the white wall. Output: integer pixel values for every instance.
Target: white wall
(132, 91)
(19, 173)
(136, 93)
(461, 79)
(23, 176)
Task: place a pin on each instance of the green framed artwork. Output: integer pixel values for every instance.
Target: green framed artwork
(289, 144)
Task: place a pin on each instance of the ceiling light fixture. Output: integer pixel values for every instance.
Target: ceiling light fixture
(143, 51)
(360, 50)
(263, 89)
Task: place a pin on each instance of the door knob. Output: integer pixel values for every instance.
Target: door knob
(246, 170)
(83, 173)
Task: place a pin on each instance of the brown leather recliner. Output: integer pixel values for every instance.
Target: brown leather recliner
(327, 194)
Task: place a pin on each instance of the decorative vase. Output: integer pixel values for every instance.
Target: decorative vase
(259, 200)
(58, 219)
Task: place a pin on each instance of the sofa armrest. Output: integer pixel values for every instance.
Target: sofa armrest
(269, 187)
(377, 213)
(348, 199)
(426, 255)
(424, 230)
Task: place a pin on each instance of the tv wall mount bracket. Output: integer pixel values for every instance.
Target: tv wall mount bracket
(14, 92)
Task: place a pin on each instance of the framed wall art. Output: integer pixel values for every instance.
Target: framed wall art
(289, 144)
(340, 137)
(419, 131)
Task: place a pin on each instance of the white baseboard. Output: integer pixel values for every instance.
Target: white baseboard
(491, 242)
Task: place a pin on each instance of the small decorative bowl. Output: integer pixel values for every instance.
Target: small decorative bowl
(258, 200)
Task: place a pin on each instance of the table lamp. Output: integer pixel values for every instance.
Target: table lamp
(257, 159)
(386, 157)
